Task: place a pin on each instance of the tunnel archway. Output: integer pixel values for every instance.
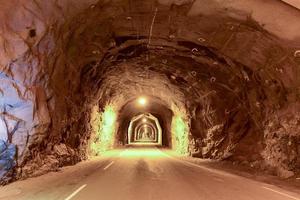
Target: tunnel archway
(145, 120)
(145, 129)
(156, 111)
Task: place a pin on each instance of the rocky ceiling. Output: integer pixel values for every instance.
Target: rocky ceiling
(231, 67)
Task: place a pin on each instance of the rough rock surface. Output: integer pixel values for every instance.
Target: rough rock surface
(235, 74)
(7, 160)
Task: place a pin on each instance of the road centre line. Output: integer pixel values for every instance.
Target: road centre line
(105, 168)
(75, 192)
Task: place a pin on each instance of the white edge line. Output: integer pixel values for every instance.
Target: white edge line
(75, 192)
(190, 163)
(284, 194)
(201, 167)
(105, 168)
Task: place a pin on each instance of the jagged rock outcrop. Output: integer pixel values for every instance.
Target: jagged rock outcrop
(7, 160)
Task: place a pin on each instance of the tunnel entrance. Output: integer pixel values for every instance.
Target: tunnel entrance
(144, 129)
(141, 123)
(146, 120)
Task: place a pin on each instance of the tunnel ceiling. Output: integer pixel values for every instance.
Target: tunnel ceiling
(228, 66)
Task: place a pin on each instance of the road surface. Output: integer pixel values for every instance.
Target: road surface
(142, 174)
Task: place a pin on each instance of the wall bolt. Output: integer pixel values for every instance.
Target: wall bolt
(194, 50)
(257, 104)
(280, 70)
(96, 52)
(297, 54)
(212, 79)
(227, 111)
(201, 39)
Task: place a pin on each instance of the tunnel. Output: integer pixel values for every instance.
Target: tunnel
(214, 80)
(144, 129)
(145, 114)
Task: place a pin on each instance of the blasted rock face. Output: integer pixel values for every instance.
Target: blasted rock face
(7, 160)
(25, 94)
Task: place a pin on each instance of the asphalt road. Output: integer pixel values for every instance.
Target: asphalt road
(138, 174)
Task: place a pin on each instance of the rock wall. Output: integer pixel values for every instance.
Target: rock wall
(282, 141)
(7, 160)
(26, 97)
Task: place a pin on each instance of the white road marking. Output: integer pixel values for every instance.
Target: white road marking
(217, 172)
(187, 163)
(75, 192)
(105, 168)
(283, 194)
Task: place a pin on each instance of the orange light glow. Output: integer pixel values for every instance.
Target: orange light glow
(142, 101)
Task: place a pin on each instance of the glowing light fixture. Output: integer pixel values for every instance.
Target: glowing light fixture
(142, 101)
(144, 120)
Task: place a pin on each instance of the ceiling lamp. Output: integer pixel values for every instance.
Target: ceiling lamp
(142, 101)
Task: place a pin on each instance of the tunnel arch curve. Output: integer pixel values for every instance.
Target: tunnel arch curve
(148, 116)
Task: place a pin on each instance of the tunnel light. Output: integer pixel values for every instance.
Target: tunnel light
(142, 101)
(144, 120)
